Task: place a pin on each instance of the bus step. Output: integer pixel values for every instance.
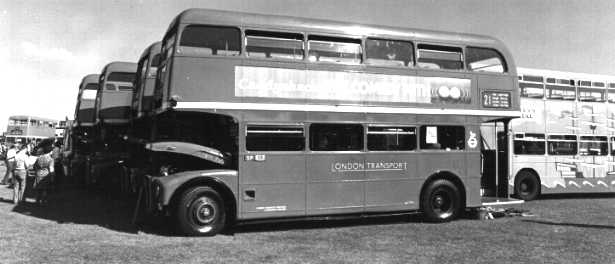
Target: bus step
(494, 201)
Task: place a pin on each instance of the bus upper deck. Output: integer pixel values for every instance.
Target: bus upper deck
(253, 61)
(84, 111)
(115, 89)
(142, 99)
(23, 128)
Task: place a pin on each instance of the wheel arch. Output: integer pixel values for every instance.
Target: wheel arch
(230, 203)
(531, 171)
(446, 175)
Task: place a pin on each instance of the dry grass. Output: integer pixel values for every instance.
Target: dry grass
(86, 227)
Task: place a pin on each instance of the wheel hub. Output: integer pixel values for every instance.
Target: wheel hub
(203, 211)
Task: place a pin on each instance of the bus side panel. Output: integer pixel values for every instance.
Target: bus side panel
(536, 162)
(335, 183)
(391, 181)
(472, 182)
(272, 185)
(431, 162)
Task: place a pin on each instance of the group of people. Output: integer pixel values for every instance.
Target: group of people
(19, 158)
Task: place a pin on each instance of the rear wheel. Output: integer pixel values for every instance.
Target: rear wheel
(200, 212)
(441, 201)
(527, 186)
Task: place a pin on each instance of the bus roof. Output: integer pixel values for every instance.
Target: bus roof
(22, 117)
(209, 16)
(120, 66)
(90, 78)
(152, 48)
(565, 75)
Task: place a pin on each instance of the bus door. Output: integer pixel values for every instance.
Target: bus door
(495, 159)
(272, 170)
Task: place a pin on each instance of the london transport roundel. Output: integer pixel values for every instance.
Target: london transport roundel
(472, 141)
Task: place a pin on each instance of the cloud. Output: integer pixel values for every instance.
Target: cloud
(53, 54)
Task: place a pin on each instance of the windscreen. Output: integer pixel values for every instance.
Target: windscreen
(121, 77)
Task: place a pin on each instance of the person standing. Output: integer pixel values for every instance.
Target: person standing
(44, 168)
(56, 155)
(20, 173)
(10, 164)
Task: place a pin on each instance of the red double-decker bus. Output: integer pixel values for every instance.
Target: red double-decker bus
(271, 117)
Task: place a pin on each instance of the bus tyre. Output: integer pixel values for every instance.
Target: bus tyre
(527, 186)
(441, 201)
(200, 212)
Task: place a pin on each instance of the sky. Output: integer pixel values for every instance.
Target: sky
(47, 46)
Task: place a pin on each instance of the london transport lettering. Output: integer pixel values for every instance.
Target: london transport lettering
(368, 166)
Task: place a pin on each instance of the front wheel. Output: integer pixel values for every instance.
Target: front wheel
(200, 212)
(527, 186)
(441, 201)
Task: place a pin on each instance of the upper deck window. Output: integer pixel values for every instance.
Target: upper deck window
(532, 90)
(439, 57)
(91, 86)
(485, 60)
(381, 52)
(334, 49)
(121, 77)
(532, 78)
(214, 40)
(88, 94)
(276, 45)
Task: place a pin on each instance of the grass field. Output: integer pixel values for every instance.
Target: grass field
(87, 227)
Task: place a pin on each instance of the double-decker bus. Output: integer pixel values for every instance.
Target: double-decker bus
(564, 140)
(272, 117)
(112, 112)
(145, 80)
(26, 129)
(80, 135)
(84, 110)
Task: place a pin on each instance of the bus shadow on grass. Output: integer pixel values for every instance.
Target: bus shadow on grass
(559, 196)
(87, 207)
(95, 207)
(546, 222)
(331, 222)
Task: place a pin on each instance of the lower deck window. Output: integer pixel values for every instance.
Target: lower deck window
(562, 145)
(391, 138)
(275, 138)
(336, 137)
(443, 137)
(529, 144)
(593, 146)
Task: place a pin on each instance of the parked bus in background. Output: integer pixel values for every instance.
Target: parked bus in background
(81, 134)
(145, 80)
(262, 116)
(564, 140)
(112, 117)
(26, 129)
(141, 115)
